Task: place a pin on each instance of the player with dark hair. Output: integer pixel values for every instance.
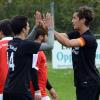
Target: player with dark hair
(41, 66)
(84, 45)
(5, 36)
(20, 54)
(20, 28)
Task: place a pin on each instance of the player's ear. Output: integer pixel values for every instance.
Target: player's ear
(1, 33)
(23, 30)
(83, 20)
(40, 36)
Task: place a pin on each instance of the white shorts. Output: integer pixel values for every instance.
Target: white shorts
(45, 98)
(1, 96)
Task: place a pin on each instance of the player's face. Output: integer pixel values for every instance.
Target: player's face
(45, 38)
(0, 35)
(76, 22)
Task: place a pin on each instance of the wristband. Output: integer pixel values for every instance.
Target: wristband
(37, 93)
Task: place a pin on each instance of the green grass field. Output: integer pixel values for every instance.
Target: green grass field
(62, 81)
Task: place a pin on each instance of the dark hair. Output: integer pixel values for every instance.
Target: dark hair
(40, 30)
(87, 13)
(5, 27)
(18, 23)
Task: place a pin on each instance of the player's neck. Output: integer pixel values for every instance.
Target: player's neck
(1, 35)
(21, 36)
(83, 29)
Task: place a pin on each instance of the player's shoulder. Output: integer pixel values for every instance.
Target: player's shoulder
(89, 35)
(73, 34)
(28, 42)
(90, 39)
(3, 41)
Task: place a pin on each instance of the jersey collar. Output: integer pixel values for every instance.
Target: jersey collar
(7, 38)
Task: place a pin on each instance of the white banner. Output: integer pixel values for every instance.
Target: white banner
(62, 58)
(98, 54)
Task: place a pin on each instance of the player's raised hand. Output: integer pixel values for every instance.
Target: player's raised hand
(49, 20)
(38, 18)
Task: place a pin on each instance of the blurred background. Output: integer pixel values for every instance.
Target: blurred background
(62, 10)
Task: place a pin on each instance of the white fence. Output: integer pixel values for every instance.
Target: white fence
(61, 56)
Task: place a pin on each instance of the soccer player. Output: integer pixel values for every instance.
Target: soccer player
(41, 34)
(5, 36)
(20, 54)
(16, 30)
(84, 45)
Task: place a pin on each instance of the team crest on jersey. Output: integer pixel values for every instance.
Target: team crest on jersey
(75, 50)
(12, 47)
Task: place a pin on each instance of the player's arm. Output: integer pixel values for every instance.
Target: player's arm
(31, 34)
(51, 90)
(38, 19)
(50, 41)
(34, 77)
(48, 85)
(69, 42)
(29, 47)
(49, 23)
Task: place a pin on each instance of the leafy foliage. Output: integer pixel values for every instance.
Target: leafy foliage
(63, 11)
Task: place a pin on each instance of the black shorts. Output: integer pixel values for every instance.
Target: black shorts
(16, 96)
(87, 93)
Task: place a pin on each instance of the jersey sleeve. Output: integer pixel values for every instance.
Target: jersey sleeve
(50, 41)
(81, 41)
(34, 79)
(89, 40)
(34, 61)
(48, 85)
(73, 35)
